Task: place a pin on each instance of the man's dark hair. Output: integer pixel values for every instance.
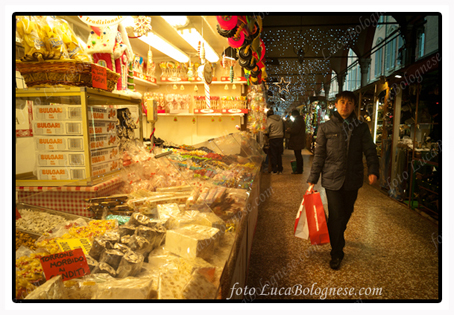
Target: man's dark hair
(295, 112)
(348, 95)
(269, 112)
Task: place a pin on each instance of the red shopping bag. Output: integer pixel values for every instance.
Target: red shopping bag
(301, 230)
(316, 220)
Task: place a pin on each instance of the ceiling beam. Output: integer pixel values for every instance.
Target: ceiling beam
(319, 25)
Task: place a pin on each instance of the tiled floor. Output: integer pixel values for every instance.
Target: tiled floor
(388, 247)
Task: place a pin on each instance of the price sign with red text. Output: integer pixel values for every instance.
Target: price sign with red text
(71, 264)
(99, 77)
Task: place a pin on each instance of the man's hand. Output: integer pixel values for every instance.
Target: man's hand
(372, 179)
(311, 187)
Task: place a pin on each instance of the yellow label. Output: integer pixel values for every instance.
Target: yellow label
(74, 243)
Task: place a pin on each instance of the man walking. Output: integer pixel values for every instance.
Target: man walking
(297, 140)
(341, 142)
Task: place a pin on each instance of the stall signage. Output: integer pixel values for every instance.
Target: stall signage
(99, 77)
(71, 264)
(75, 243)
(101, 20)
(235, 111)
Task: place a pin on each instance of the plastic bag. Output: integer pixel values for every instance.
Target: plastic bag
(31, 33)
(51, 290)
(129, 288)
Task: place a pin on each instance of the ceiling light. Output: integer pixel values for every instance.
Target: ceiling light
(176, 21)
(193, 37)
(159, 43)
(398, 76)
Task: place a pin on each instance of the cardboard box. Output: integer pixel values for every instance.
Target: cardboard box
(58, 143)
(60, 173)
(60, 158)
(57, 128)
(104, 155)
(102, 127)
(103, 141)
(104, 168)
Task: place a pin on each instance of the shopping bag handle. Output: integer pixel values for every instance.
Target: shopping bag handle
(311, 189)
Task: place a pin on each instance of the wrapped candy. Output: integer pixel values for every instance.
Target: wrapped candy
(105, 268)
(130, 264)
(112, 257)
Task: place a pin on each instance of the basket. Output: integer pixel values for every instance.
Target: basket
(62, 72)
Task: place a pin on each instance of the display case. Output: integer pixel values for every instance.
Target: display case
(78, 134)
(205, 223)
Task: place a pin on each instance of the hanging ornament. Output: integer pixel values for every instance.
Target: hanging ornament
(212, 119)
(233, 118)
(182, 87)
(175, 87)
(142, 25)
(226, 87)
(220, 119)
(193, 120)
(207, 95)
(196, 88)
(281, 83)
(198, 49)
(234, 86)
(231, 74)
(202, 53)
(175, 119)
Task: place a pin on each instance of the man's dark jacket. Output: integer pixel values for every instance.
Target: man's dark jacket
(297, 133)
(339, 152)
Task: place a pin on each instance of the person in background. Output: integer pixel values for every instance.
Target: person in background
(297, 139)
(288, 124)
(275, 131)
(338, 156)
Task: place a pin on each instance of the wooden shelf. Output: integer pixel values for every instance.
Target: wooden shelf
(199, 82)
(192, 114)
(143, 82)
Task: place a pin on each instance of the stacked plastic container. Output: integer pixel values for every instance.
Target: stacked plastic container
(59, 143)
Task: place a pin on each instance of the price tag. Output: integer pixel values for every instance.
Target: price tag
(74, 243)
(99, 77)
(71, 264)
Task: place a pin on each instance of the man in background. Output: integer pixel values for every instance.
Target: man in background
(275, 131)
(297, 140)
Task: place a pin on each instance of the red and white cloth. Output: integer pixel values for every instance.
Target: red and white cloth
(67, 199)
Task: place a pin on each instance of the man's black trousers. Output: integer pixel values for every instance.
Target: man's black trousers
(299, 161)
(340, 207)
(275, 152)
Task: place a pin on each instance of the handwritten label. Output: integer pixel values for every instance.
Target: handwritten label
(99, 77)
(75, 243)
(70, 264)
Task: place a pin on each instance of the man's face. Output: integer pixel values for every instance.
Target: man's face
(345, 107)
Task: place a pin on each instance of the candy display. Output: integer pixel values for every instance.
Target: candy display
(257, 115)
(38, 222)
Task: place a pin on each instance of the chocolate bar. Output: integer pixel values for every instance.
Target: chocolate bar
(99, 246)
(126, 230)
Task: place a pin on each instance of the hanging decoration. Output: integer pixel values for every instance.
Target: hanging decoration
(182, 87)
(142, 25)
(280, 85)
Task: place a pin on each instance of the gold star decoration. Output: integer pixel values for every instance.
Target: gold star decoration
(281, 83)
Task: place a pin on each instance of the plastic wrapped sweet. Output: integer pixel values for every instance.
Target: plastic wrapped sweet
(29, 30)
(198, 287)
(91, 263)
(192, 241)
(125, 239)
(130, 264)
(126, 230)
(84, 288)
(171, 284)
(138, 219)
(105, 268)
(167, 214)
(112, 257)
(99, 246)
(51, 290)
(140, 245)
(128, 288)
